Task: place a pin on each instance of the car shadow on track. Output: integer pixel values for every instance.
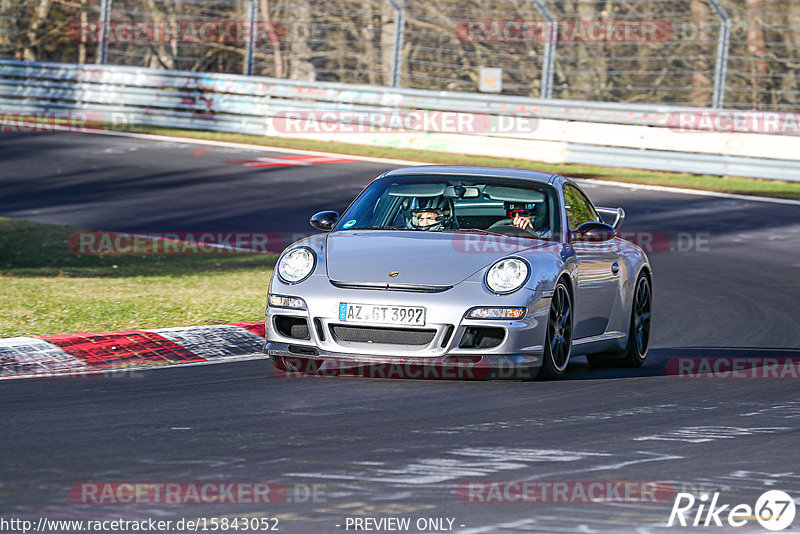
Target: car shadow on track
(701, 362)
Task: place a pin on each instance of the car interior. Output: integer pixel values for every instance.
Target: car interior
(461, 207)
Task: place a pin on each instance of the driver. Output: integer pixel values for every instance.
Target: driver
(433, 214)
(426, 218)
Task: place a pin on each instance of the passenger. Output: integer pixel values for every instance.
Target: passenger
(531, 220)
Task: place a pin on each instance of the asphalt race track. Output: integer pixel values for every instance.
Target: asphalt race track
(726, 285)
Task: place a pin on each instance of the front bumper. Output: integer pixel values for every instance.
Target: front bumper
(443, 343)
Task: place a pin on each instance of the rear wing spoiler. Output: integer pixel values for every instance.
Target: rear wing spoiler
(619, 213)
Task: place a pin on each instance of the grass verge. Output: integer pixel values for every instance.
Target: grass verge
(46, 289)
(723, 184)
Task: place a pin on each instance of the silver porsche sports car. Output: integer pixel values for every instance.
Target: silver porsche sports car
(504, 270)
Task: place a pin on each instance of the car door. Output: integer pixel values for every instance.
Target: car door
(598, 269)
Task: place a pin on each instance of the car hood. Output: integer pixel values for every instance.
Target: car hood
(419, 258)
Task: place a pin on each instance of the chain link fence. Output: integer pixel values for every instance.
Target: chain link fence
(740, 54)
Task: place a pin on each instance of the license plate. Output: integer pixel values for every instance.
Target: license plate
(379, 314)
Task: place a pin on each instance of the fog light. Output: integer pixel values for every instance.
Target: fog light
(279, 301)
(496, 313)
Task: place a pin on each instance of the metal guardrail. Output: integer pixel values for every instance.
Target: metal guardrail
(662, 160)
(246, 104)
(218, 88)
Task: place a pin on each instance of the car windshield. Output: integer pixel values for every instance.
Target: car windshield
(439, 203)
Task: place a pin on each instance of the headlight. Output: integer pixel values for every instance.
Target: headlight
(508, 275)
(296, 265)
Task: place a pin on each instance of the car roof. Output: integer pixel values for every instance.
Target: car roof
(470, 170)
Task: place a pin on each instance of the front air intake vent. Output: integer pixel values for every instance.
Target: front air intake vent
(389, 336)
(480, 337)
(293, 327)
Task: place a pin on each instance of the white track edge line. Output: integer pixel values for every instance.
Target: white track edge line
(696, 192)
(230, 144)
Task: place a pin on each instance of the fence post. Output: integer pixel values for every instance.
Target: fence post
(102, 43)
(399, 26)
(249, 55)
(723, 45)
(549, 50)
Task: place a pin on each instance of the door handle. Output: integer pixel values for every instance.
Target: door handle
(615, 267)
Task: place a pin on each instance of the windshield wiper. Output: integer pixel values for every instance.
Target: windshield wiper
(478, 231)
(377, 228)
(489, 232)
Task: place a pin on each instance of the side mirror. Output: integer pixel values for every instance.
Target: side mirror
(593, 232)
(324, 220)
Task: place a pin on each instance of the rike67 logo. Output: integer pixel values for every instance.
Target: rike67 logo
(774, 510)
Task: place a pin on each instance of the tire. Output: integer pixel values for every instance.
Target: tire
(558, 343)
(638, 341)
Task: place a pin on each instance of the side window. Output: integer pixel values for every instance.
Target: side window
(578, 208)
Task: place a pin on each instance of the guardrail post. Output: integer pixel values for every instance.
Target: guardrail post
(549, 50)
(723, 45)
(102, 42)
(399, 26)
(249, 55)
